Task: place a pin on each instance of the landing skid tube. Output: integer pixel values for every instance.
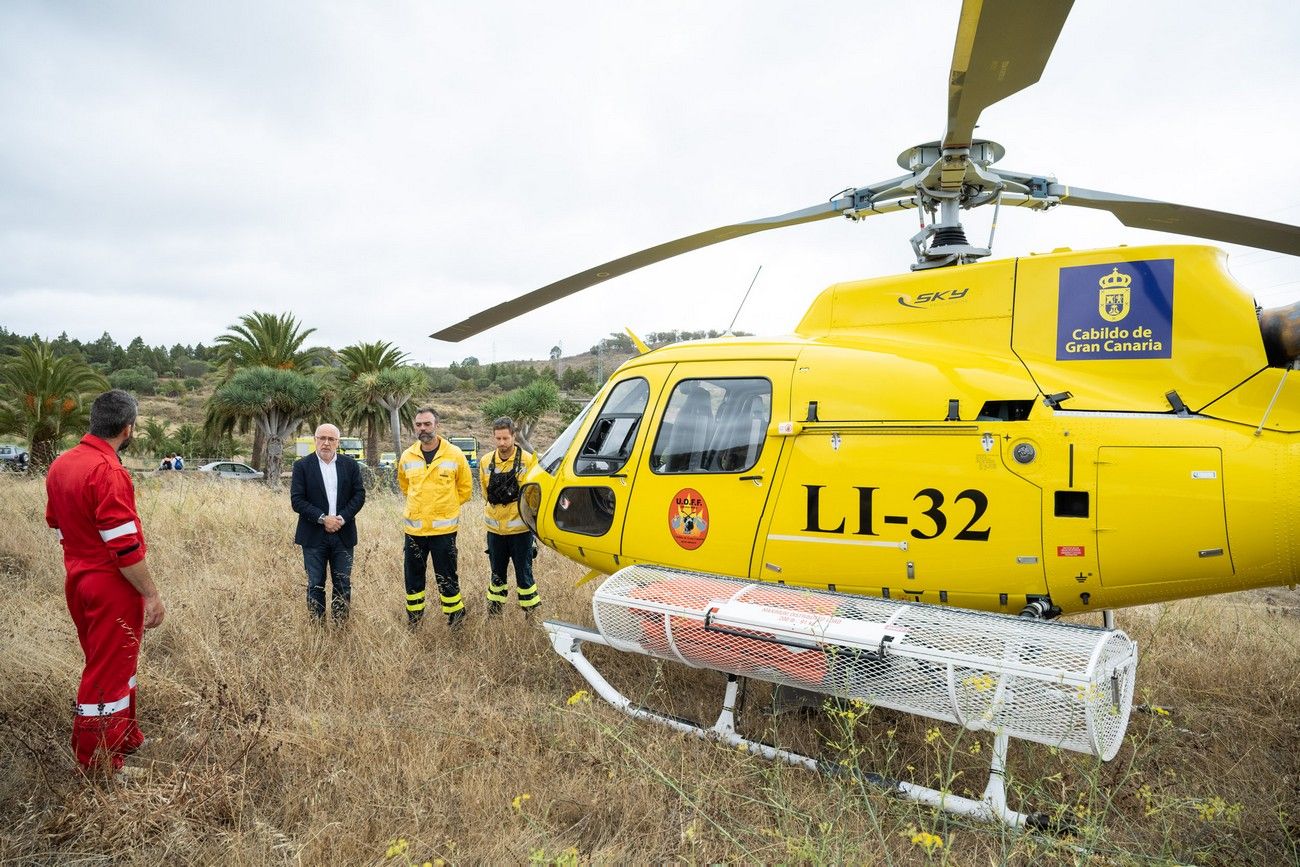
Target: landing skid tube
(567, 640)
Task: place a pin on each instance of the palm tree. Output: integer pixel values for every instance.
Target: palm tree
(395, 388)
(268, 340)
(45, 398)
(272, 340)
(361, 398)
(153, 437)
(365, 357)
(526, 406)
(187, 439)
(276, 401)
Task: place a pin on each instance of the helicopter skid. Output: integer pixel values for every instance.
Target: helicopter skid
(567, 640)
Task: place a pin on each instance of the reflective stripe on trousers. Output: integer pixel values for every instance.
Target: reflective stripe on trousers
(528, 598)
(107, 708)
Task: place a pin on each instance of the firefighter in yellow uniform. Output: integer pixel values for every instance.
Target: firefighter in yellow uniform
(508, 539)
(435, 477)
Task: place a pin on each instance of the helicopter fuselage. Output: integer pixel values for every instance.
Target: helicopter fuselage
(1085, 430)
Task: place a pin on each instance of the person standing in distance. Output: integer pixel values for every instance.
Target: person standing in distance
(111, 595)
(508, 539)
(327, 493)
(435, 477)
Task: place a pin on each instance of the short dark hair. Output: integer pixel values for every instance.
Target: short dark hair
(111, 412)
(504, 423)
(433, 412)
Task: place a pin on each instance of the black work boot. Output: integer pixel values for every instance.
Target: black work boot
(456, 619)
(494, 609)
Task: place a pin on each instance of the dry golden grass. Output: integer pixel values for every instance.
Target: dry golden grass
(274, 743)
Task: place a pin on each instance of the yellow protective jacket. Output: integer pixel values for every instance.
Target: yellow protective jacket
(504, 519)
(434, 491)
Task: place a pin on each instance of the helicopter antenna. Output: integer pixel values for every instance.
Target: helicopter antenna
(743, 300)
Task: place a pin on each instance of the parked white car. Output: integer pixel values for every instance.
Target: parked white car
(231, 470)
(13, 458)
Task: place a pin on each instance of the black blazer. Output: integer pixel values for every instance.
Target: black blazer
(307, 493)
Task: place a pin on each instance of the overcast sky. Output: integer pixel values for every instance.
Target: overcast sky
(382, 170)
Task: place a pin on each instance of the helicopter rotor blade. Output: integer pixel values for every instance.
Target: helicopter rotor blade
(1002, 47)
(1185, 220)
(516, 307)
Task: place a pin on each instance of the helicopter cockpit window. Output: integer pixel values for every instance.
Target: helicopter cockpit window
(555, 454)
(609, 444)
(713, 426)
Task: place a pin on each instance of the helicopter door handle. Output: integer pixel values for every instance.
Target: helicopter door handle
(751, 478)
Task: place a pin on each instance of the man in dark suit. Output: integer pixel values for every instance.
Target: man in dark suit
(327, 494)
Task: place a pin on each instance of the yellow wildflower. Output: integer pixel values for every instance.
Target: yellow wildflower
(579, 696)
(927, 841)
(518, 802)
(1216, 808)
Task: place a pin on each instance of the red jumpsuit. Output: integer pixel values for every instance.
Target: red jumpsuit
(91, 507)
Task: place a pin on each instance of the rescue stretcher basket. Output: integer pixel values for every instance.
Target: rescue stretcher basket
(1058, 684)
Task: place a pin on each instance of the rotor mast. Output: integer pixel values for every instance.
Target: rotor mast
(949, 179)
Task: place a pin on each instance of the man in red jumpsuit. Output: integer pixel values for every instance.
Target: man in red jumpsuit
(110, 593)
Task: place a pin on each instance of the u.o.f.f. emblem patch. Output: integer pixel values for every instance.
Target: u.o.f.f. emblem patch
(688, 518)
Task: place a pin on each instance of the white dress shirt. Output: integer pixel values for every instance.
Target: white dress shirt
(330, 475)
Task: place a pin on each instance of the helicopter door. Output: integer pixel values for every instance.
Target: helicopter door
(1160, 515)
(701, 493)
(593, 485)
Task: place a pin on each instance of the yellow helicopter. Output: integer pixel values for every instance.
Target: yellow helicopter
(1056, 433)
(848, 508)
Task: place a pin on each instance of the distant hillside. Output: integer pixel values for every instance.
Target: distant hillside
(176, 385)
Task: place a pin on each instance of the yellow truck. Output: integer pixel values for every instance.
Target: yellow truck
(351, 446)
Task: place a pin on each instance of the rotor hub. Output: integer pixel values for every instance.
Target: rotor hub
(922, 156)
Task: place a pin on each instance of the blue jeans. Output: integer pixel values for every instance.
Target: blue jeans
(338, 557)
